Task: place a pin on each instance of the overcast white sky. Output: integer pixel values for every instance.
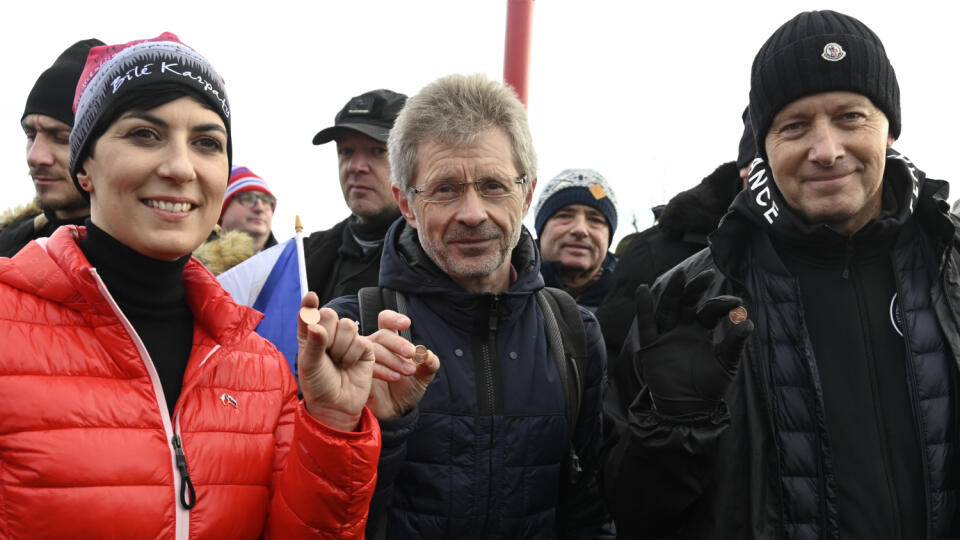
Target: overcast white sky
(649, 94)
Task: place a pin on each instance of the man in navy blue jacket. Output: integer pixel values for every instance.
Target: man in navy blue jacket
(483, 453)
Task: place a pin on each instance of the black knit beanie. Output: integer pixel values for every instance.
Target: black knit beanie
(52, 94)
(820, 51)
(113, 72)
(748, 145)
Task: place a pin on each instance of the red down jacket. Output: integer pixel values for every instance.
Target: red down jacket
(86, 441)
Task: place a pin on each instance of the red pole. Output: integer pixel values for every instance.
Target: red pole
(516, 52)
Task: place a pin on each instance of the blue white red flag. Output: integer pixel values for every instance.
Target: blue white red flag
(273, 282)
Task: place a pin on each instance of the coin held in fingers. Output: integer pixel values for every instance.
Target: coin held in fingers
(738, 314)
(420, 354)
(309, 315)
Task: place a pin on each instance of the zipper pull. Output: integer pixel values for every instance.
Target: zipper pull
(494, 316)
(185, 483)
(848, 256)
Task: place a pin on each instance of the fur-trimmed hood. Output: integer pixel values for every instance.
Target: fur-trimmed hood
(224, 250)
(699, 209)
(17, 213)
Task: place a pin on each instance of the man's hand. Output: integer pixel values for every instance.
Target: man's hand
(687, 361)
(399, 381)
(335, 364)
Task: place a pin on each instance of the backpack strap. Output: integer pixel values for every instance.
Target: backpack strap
(567, 339)
(372, 300)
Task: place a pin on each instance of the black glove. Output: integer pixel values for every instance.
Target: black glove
(686, 368)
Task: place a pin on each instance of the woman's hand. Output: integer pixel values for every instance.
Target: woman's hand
(335, 364)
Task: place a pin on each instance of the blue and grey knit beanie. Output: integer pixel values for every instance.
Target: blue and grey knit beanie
(577, 186)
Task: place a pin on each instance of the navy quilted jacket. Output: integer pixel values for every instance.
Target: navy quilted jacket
(762, 468)
(481, 456)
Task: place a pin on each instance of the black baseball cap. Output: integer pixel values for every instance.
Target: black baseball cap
(372, 114)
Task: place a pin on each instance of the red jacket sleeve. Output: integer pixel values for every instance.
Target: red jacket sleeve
(327, 480)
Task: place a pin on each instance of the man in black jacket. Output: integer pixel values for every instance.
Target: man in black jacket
(346, 257)
(798, 378)
(47, 121)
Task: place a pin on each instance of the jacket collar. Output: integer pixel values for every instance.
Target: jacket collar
(407, 267)
(761, 209)
(57, 270)
(18, 213)
(592, 293)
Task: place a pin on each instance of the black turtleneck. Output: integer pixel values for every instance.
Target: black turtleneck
(150, 293)
(368, 235)
(55, 222)
(848, 292)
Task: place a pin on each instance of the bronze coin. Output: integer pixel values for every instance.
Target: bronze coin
(738, 315)
(420, 354)
(309, 315)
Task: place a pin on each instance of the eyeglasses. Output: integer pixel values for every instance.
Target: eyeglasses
(446, 191)
(249, 199)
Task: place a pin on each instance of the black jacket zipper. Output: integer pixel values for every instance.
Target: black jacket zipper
(188, 497)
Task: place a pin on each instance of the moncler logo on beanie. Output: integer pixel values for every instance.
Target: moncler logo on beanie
(833, 52)
(115, 70)
(820, 51)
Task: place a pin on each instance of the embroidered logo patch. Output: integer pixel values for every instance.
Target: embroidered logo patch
(227, 399)
(597, 191)
(833, 52)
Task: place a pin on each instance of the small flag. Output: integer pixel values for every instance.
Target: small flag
(273, 282)
(227, 399)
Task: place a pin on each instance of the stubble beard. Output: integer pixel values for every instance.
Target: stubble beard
(382, 216)
(56, 197)
(470, 267)
(53, 204)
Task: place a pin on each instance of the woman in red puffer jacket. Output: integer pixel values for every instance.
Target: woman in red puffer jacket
(137, 401)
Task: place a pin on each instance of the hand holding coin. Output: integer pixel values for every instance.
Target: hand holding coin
(420, 354)
(403, 370)
(309, 315)
(335, 365)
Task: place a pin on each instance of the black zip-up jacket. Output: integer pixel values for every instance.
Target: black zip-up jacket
(764, 467)
(336, 263)
(30, 225)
